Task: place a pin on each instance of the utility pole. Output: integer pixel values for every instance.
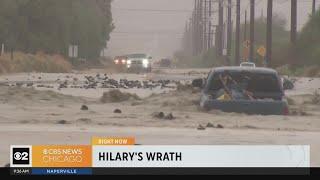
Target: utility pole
(269, 33)
(237, 45)
(252, 15)
(201, 34)
(197, 27)
(186, 38)
(205, 25)
(293, 36)
(313, 7)
(219, 35)
(194, 29)
(245, 25)
(209, 30)
(229, 32)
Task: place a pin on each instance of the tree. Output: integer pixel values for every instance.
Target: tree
(307, 50)
(280, 38)
(52, 25)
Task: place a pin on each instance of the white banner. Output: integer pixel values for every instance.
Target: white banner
(201, 156)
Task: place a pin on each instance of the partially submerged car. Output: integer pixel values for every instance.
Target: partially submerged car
(139, 63)
(243, 90)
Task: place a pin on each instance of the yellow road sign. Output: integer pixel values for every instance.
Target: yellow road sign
(262, 51)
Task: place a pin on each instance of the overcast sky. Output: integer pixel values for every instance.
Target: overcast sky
(141, 28)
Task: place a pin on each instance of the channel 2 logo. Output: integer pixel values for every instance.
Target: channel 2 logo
(20, 156)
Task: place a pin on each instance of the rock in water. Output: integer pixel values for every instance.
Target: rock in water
(169, 117)
(200, 127)
(29, 84)
(84, 108)
(210, 125)
(84, 121)
(219, 126)
(62, 122)
(117, 111)
(159, 115)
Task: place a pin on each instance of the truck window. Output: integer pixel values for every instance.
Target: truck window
(264, 83)
(253, 82)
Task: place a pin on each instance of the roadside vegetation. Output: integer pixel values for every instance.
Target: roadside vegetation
(300, 71)
(302, 59)
(39, 62)
(51, 26)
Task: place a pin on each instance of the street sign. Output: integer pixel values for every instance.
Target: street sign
(262, 51)
(73, 51)
(224, 52)
(246, 43)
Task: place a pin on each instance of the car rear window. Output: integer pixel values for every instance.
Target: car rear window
(255, 82)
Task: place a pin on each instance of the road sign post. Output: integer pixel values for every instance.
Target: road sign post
(73, 51)
(246, 45)
(262, 51)
(2, 49)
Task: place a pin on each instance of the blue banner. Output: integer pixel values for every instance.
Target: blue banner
(61, 171)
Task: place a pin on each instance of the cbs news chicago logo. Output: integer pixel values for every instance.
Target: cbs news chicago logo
(20, 156)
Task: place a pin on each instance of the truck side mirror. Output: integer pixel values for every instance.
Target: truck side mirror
(198, 83)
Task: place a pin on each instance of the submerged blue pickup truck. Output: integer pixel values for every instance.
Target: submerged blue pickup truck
(247, 90)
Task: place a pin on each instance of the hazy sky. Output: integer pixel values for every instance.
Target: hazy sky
(142, 28)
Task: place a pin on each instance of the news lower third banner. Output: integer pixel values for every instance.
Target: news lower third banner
(107, 154)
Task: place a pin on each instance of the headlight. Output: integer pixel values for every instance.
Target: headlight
(116, 61)
(129, 62)
(145, 62)
(123, 61)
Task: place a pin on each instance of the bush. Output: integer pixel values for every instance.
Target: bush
(117, 96)
(39, 62)
(305, 71)
(307, 51)
(312, 71)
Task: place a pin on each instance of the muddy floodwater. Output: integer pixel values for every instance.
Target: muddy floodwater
(39, 108)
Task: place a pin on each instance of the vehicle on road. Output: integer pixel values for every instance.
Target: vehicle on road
(120, 62)
(165, 63)
(139, 63)
(243, 90)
